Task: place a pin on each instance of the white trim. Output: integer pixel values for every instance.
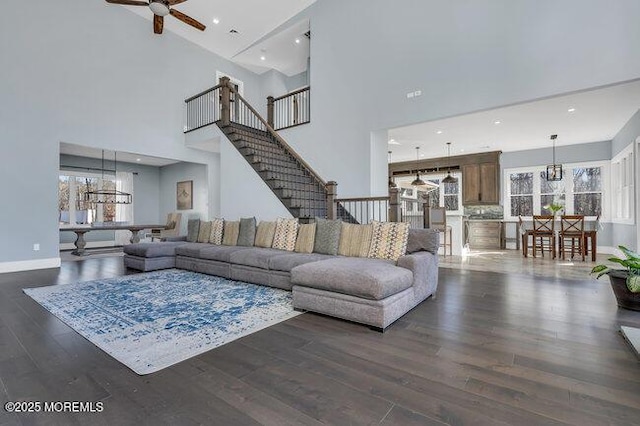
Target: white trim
(220, 74)
(28, 265)
(623, 196)
(90, 244)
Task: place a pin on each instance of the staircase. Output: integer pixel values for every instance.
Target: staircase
(293, 182)
(290, 178)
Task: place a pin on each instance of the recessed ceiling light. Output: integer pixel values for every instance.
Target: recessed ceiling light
(393, 142)
(216, 21)
(297, 41)
(263, 58)
(439, 132)
(497, 122)
(421, 155)
(571, 109)
(461, 149)
(138, 160)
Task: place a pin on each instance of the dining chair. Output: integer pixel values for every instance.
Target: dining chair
(524, 237)
(544, 235)
(590, 234)
(572, 231)
(437, 219)
(172, 228)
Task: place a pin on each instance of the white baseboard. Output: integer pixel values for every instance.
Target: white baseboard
(28, 265)
(609, 250)
(90, 244)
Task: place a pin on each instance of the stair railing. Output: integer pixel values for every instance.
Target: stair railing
(289, 110)
(364, 210)
(243, 113)
(202, 109)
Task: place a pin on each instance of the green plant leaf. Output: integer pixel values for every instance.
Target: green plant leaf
(599, 268)
(630, 254)
(622, 262)
(633, 283)
(602, 273)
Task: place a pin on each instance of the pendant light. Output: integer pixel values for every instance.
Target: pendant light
(417, 181)
(449, 178)
(554, 171)
(391, 183)
(108, 196)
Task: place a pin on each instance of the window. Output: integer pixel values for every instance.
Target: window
(521, 190)
(581, 191)
(622, 184)
(587, 191)
(72, 207)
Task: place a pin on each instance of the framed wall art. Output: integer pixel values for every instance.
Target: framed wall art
(184, 195)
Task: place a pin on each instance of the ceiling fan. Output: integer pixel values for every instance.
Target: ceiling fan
(160, 9)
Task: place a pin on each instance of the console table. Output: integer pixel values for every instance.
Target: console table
(80, 242)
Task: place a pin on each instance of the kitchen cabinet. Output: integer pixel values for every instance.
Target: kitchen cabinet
(484, 234)
(481, 183)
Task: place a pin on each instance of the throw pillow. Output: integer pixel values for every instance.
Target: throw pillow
(355, 240)
(389, 240)
(327, 236)
(203, 233)
(423, 240)
(285, 235)
(170, 225)
(193, 227)
(305, 239)
(217, 226)
(230, 234)
(265, 233)
(247, 234)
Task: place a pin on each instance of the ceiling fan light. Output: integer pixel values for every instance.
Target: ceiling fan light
(159, 8)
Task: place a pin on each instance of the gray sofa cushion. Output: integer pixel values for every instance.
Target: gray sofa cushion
(191, 249)
(152, 249)
(256, 257)
(247, 234)
(220, 253)
(327, 236)
(367, 278)
(423, 240)
(288, 261)
(193, 228)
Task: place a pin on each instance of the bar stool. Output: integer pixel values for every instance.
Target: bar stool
(572, 229)
(544, 235)
(438, 220)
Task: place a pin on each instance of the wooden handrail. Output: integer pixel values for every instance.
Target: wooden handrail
(277, 136)
(361, 199)
(204, 92)
(295, 92)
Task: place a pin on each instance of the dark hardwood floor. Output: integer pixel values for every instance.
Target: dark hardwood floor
(492, 349)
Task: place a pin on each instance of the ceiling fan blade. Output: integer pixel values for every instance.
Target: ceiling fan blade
(174, 2)
(129, 2)
(187, 19)
(158, 24)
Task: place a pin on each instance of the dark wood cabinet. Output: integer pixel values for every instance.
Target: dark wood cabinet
(481, 183)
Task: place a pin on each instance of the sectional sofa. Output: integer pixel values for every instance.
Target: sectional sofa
(371, 291)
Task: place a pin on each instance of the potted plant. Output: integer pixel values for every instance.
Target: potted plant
(553, 207)
(624, 282)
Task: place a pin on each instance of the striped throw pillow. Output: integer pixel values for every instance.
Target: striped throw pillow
(285, 235)
(217, 227)
(389, 240)
(306, 238)
(355, 240)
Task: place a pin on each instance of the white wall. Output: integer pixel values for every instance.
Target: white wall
(90, 73)
(169, 177)
(463, 55)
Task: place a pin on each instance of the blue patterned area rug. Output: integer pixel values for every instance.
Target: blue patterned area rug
(153, 320)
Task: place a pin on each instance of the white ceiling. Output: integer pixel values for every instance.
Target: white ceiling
(124, 157)
(599, 115)
(253, 19)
